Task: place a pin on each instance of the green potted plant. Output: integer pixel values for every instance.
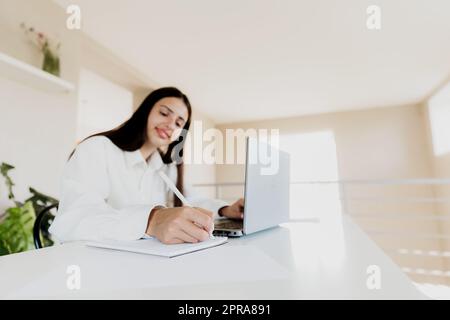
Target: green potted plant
(50, 61)
(16, 224)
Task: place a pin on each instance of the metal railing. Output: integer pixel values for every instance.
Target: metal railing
(344, 184)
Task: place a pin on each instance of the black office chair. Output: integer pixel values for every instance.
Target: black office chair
(41, 236)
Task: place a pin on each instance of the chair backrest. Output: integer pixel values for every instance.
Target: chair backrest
(40, 236)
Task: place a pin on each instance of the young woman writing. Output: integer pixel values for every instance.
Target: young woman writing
(111, 189)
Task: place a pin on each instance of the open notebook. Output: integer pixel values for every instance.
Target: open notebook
(155, 247)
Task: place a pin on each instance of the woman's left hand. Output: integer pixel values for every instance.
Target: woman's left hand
(235, 211)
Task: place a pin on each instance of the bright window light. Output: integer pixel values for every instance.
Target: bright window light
(439, 111)
(313, 159)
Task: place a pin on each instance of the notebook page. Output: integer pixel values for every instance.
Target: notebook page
(154, 247)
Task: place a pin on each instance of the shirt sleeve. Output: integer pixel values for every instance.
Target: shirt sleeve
(83, 212)
(196, 200)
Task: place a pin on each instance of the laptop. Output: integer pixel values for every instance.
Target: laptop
(266, 193)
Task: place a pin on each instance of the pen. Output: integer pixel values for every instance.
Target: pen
(175, 190)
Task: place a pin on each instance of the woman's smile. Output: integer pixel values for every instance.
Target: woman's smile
(163, 134)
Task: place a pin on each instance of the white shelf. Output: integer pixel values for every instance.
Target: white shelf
(24, 73)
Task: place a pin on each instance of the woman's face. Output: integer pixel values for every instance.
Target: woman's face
(165, 121)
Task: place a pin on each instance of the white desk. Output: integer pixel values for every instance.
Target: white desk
(294, 261)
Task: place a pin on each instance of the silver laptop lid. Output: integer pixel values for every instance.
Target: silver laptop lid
(266, 186)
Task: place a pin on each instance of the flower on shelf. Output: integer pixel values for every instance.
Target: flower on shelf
(49, 50)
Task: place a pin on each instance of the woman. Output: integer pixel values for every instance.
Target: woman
(111, 189)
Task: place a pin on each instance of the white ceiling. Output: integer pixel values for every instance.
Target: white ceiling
(244, 60)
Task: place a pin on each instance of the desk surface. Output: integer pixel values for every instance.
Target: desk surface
(294, 261)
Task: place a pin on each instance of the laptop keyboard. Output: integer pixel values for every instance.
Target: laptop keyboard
(229, 224)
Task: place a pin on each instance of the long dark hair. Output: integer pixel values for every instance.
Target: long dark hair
(132, 134)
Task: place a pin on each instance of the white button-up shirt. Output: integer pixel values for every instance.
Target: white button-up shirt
(108, 193)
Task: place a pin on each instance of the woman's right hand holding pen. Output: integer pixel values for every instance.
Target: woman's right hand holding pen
(180, 224)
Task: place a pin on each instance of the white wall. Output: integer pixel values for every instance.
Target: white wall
(37, 129)
(102, 105)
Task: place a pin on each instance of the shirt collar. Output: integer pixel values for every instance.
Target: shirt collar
(135, 157)
(155, 161)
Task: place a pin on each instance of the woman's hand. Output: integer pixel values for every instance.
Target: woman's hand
(180, 224)
(235, 211)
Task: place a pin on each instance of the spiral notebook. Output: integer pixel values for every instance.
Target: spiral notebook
(153, 246)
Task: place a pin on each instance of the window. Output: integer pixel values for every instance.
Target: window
(439, 111)
(313, 163)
